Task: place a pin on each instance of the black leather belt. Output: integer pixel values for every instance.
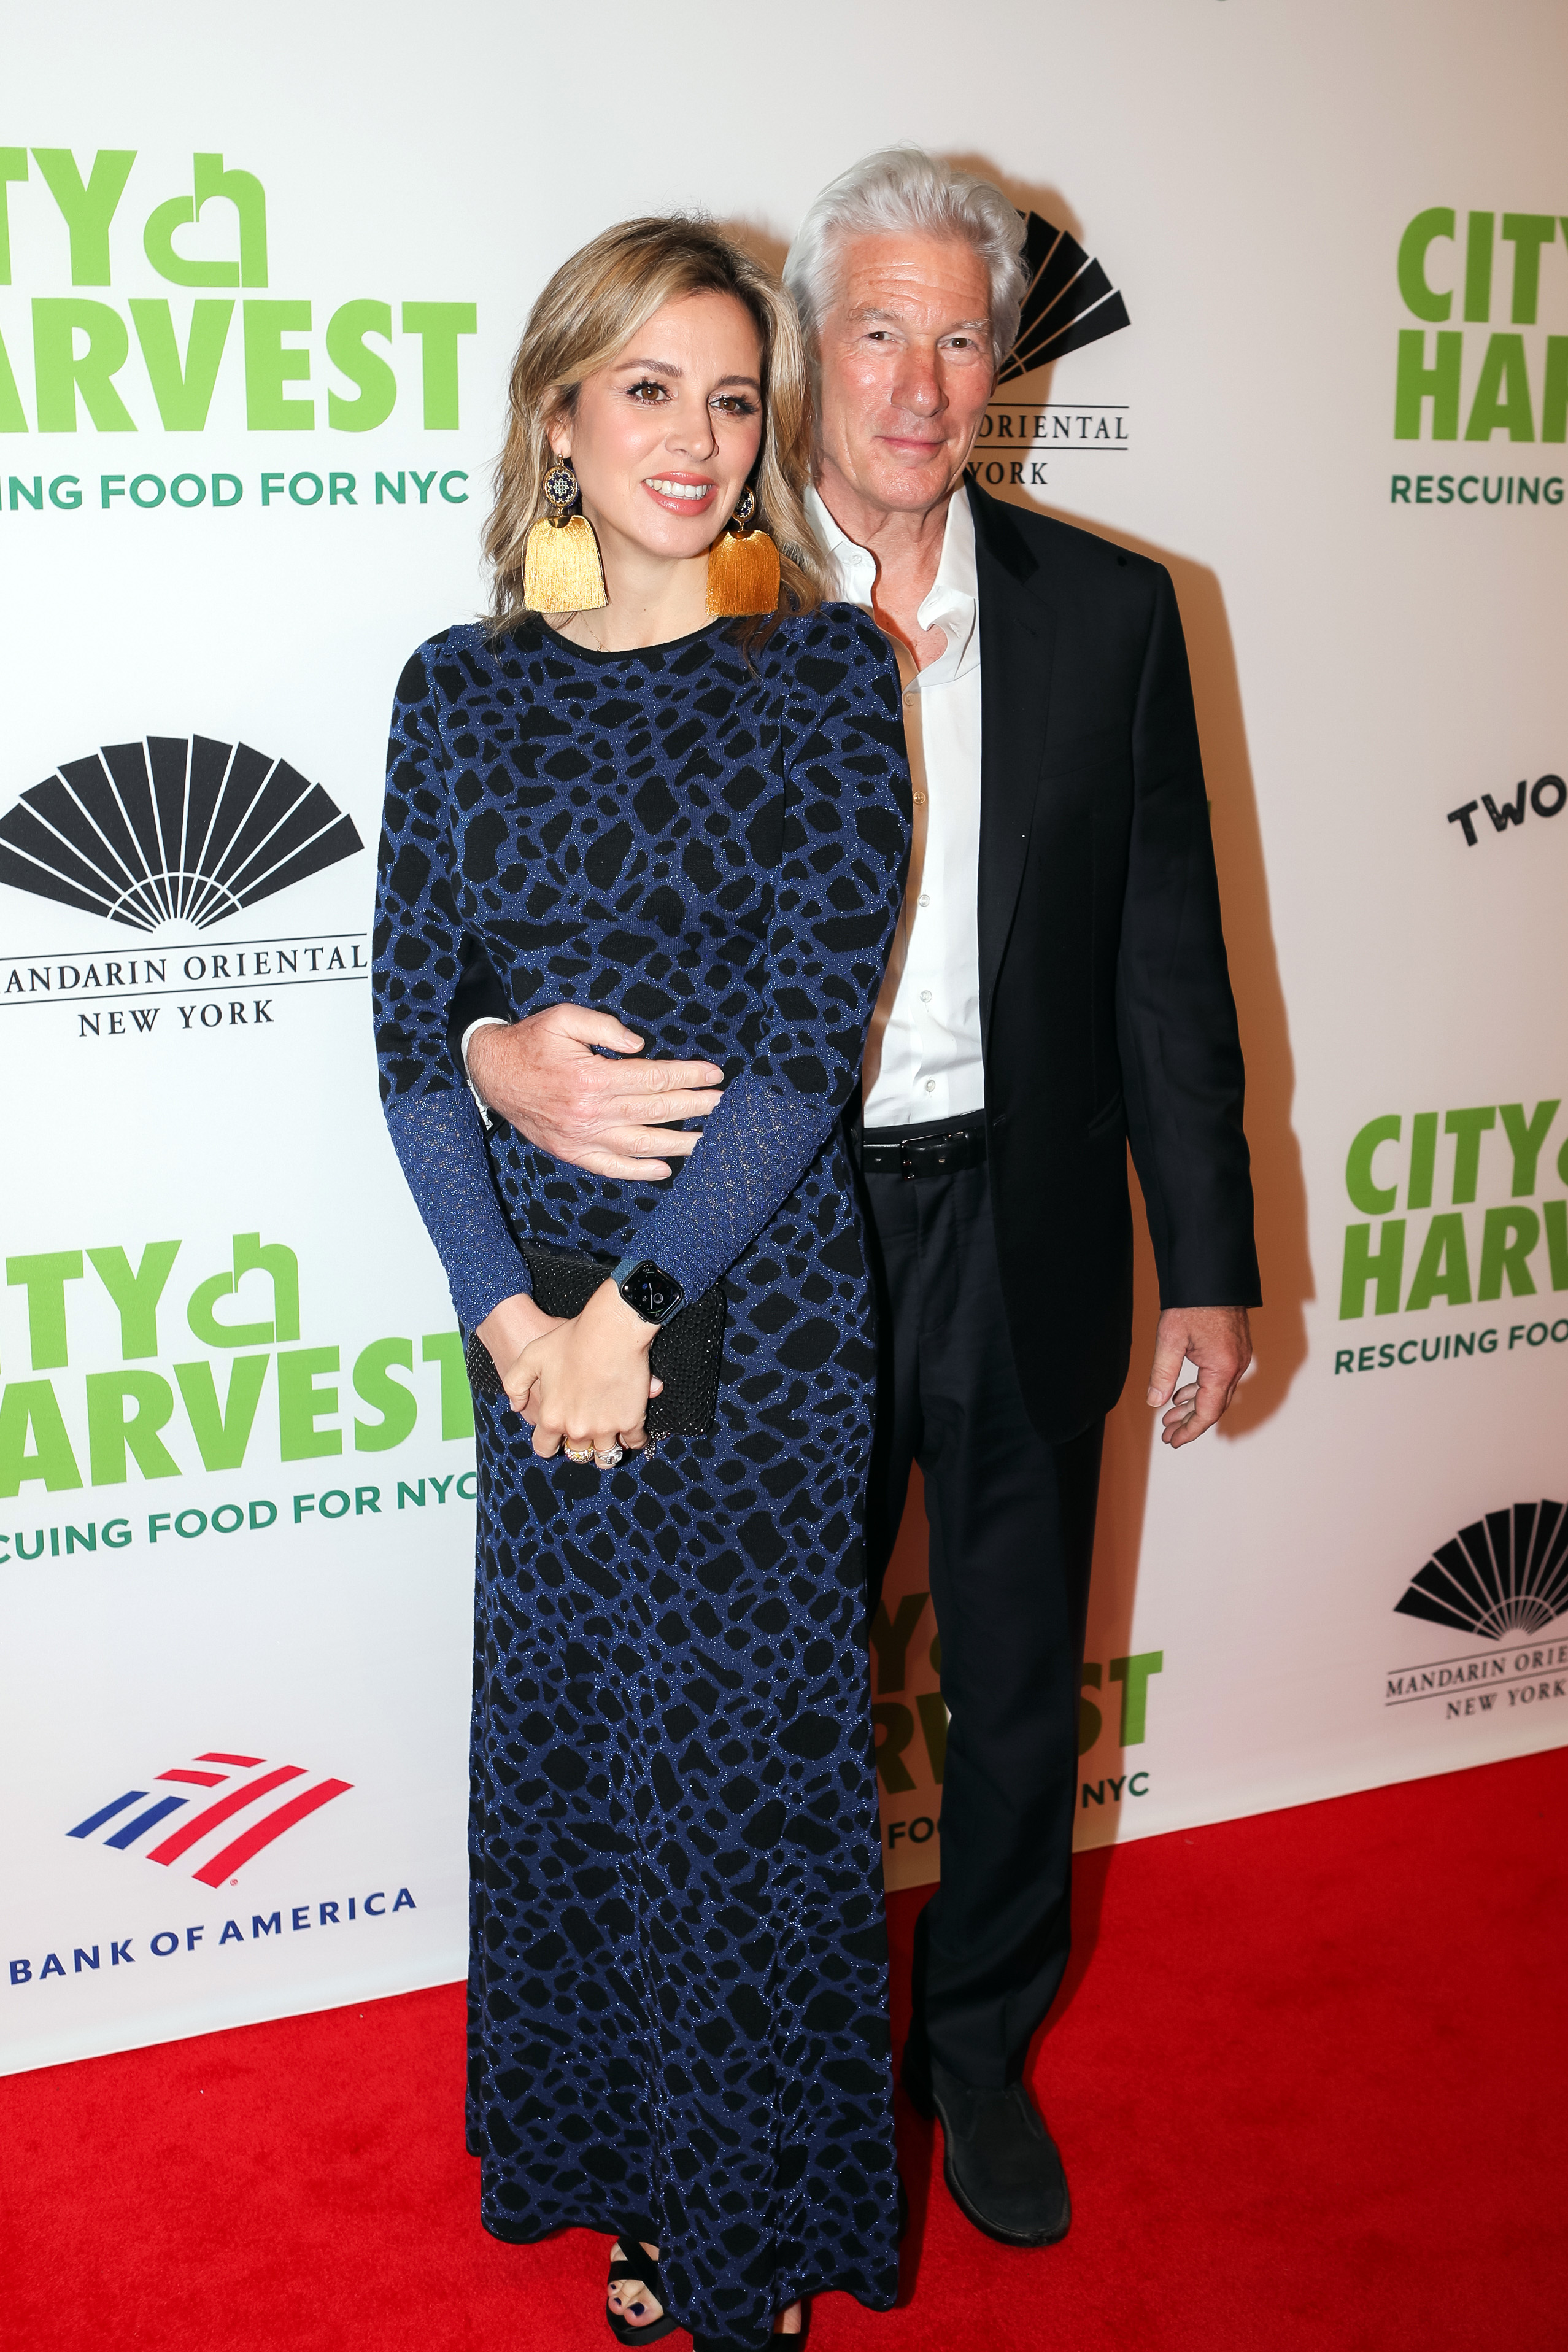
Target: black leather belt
(940, 1147)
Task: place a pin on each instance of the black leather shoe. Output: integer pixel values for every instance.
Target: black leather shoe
(1001, 2164)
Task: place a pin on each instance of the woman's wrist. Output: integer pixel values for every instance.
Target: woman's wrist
(618, 1322)
(513, 1326)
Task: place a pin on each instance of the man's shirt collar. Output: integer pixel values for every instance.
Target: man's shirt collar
(952, 603)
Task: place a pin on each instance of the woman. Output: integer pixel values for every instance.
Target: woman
(677, 1998)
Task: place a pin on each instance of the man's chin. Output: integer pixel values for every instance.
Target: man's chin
(909, 487)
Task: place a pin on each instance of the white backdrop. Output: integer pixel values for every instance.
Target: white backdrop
(1366, 660)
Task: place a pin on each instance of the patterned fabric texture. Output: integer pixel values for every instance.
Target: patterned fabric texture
(677, 1983)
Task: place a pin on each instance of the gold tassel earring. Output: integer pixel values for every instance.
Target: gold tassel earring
(742, 565)
(561, 569)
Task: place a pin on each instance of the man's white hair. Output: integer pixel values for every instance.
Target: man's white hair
(898, 192)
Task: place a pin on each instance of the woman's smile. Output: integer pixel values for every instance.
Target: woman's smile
(681, 493)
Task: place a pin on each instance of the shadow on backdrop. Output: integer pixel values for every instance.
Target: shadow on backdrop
(1279, 1328)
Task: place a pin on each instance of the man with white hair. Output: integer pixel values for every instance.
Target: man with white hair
(1057, 988)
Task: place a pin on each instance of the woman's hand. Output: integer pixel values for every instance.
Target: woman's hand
(587, 1382)
(506, 1331)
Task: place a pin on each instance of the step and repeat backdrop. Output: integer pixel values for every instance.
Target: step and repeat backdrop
(1298, 327)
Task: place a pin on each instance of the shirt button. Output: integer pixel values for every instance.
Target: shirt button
(925, 899)
(910, 692)
(926, 996)
(930, 1085)
(920, 800)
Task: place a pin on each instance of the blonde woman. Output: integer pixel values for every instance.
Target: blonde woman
(698, 822)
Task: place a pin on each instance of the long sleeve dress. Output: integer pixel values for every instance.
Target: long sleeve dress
(677, 1992)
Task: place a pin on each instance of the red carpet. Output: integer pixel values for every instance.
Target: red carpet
(1304, 2075)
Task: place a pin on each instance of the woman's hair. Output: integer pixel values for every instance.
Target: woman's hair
(891, 193)
(587, 314)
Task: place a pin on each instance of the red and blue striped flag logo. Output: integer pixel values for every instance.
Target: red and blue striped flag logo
(245, 1780)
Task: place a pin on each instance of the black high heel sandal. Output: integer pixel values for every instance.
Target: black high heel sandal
(644, 2268)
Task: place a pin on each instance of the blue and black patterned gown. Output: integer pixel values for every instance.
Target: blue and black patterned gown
(677, 1984)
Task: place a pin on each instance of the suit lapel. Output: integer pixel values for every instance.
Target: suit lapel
(1018, 639)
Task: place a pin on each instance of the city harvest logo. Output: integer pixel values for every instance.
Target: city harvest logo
(246, 1782)
(1509, 377)
(910, 1722)
(173, 830)
(1422, 1241)
(127, 362)
(108, 1419)
(1070, 302)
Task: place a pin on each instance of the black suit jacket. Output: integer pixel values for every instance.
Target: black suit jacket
(1106, 1005)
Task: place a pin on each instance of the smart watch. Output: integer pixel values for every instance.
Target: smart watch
(648, 1290)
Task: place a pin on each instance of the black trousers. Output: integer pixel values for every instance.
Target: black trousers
(1012, 1533)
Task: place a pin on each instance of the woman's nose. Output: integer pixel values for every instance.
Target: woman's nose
(693, 436)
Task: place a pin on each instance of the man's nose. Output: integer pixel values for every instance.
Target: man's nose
(918, 387)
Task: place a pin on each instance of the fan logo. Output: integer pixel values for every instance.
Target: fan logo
(1506, 1574)
(1070, 302)
(1502, 1580)
(245, 1780)
(175, 829)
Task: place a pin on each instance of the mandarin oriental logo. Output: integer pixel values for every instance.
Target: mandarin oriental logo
(245, 1780)
(1508, 1573)
(1069, 301)
(175, 829)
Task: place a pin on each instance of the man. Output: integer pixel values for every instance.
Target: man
(1057, 987)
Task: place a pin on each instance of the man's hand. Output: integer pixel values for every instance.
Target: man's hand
(544, 1079)
(1218, 1341)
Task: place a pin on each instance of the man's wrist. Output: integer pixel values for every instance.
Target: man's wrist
(485, 1020)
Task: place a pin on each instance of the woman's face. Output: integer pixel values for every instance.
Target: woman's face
(663, 438)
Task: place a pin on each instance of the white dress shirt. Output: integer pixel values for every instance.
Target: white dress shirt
(922, 1052)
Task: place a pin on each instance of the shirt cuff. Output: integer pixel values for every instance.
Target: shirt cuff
(485, 1020)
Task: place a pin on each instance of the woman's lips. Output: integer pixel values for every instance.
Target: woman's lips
(679, 493)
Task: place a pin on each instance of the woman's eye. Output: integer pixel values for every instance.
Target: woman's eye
(647, 390)
(735, 403)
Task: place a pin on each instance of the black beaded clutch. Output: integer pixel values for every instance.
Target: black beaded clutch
(686, 1356)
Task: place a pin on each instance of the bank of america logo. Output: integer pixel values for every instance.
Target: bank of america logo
(246, 1782)
(1508, 1573)
(1069, 301)
(176, 829)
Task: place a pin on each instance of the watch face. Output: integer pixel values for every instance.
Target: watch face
(655, 1294)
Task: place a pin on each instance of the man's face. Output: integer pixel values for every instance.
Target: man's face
(907, 369)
